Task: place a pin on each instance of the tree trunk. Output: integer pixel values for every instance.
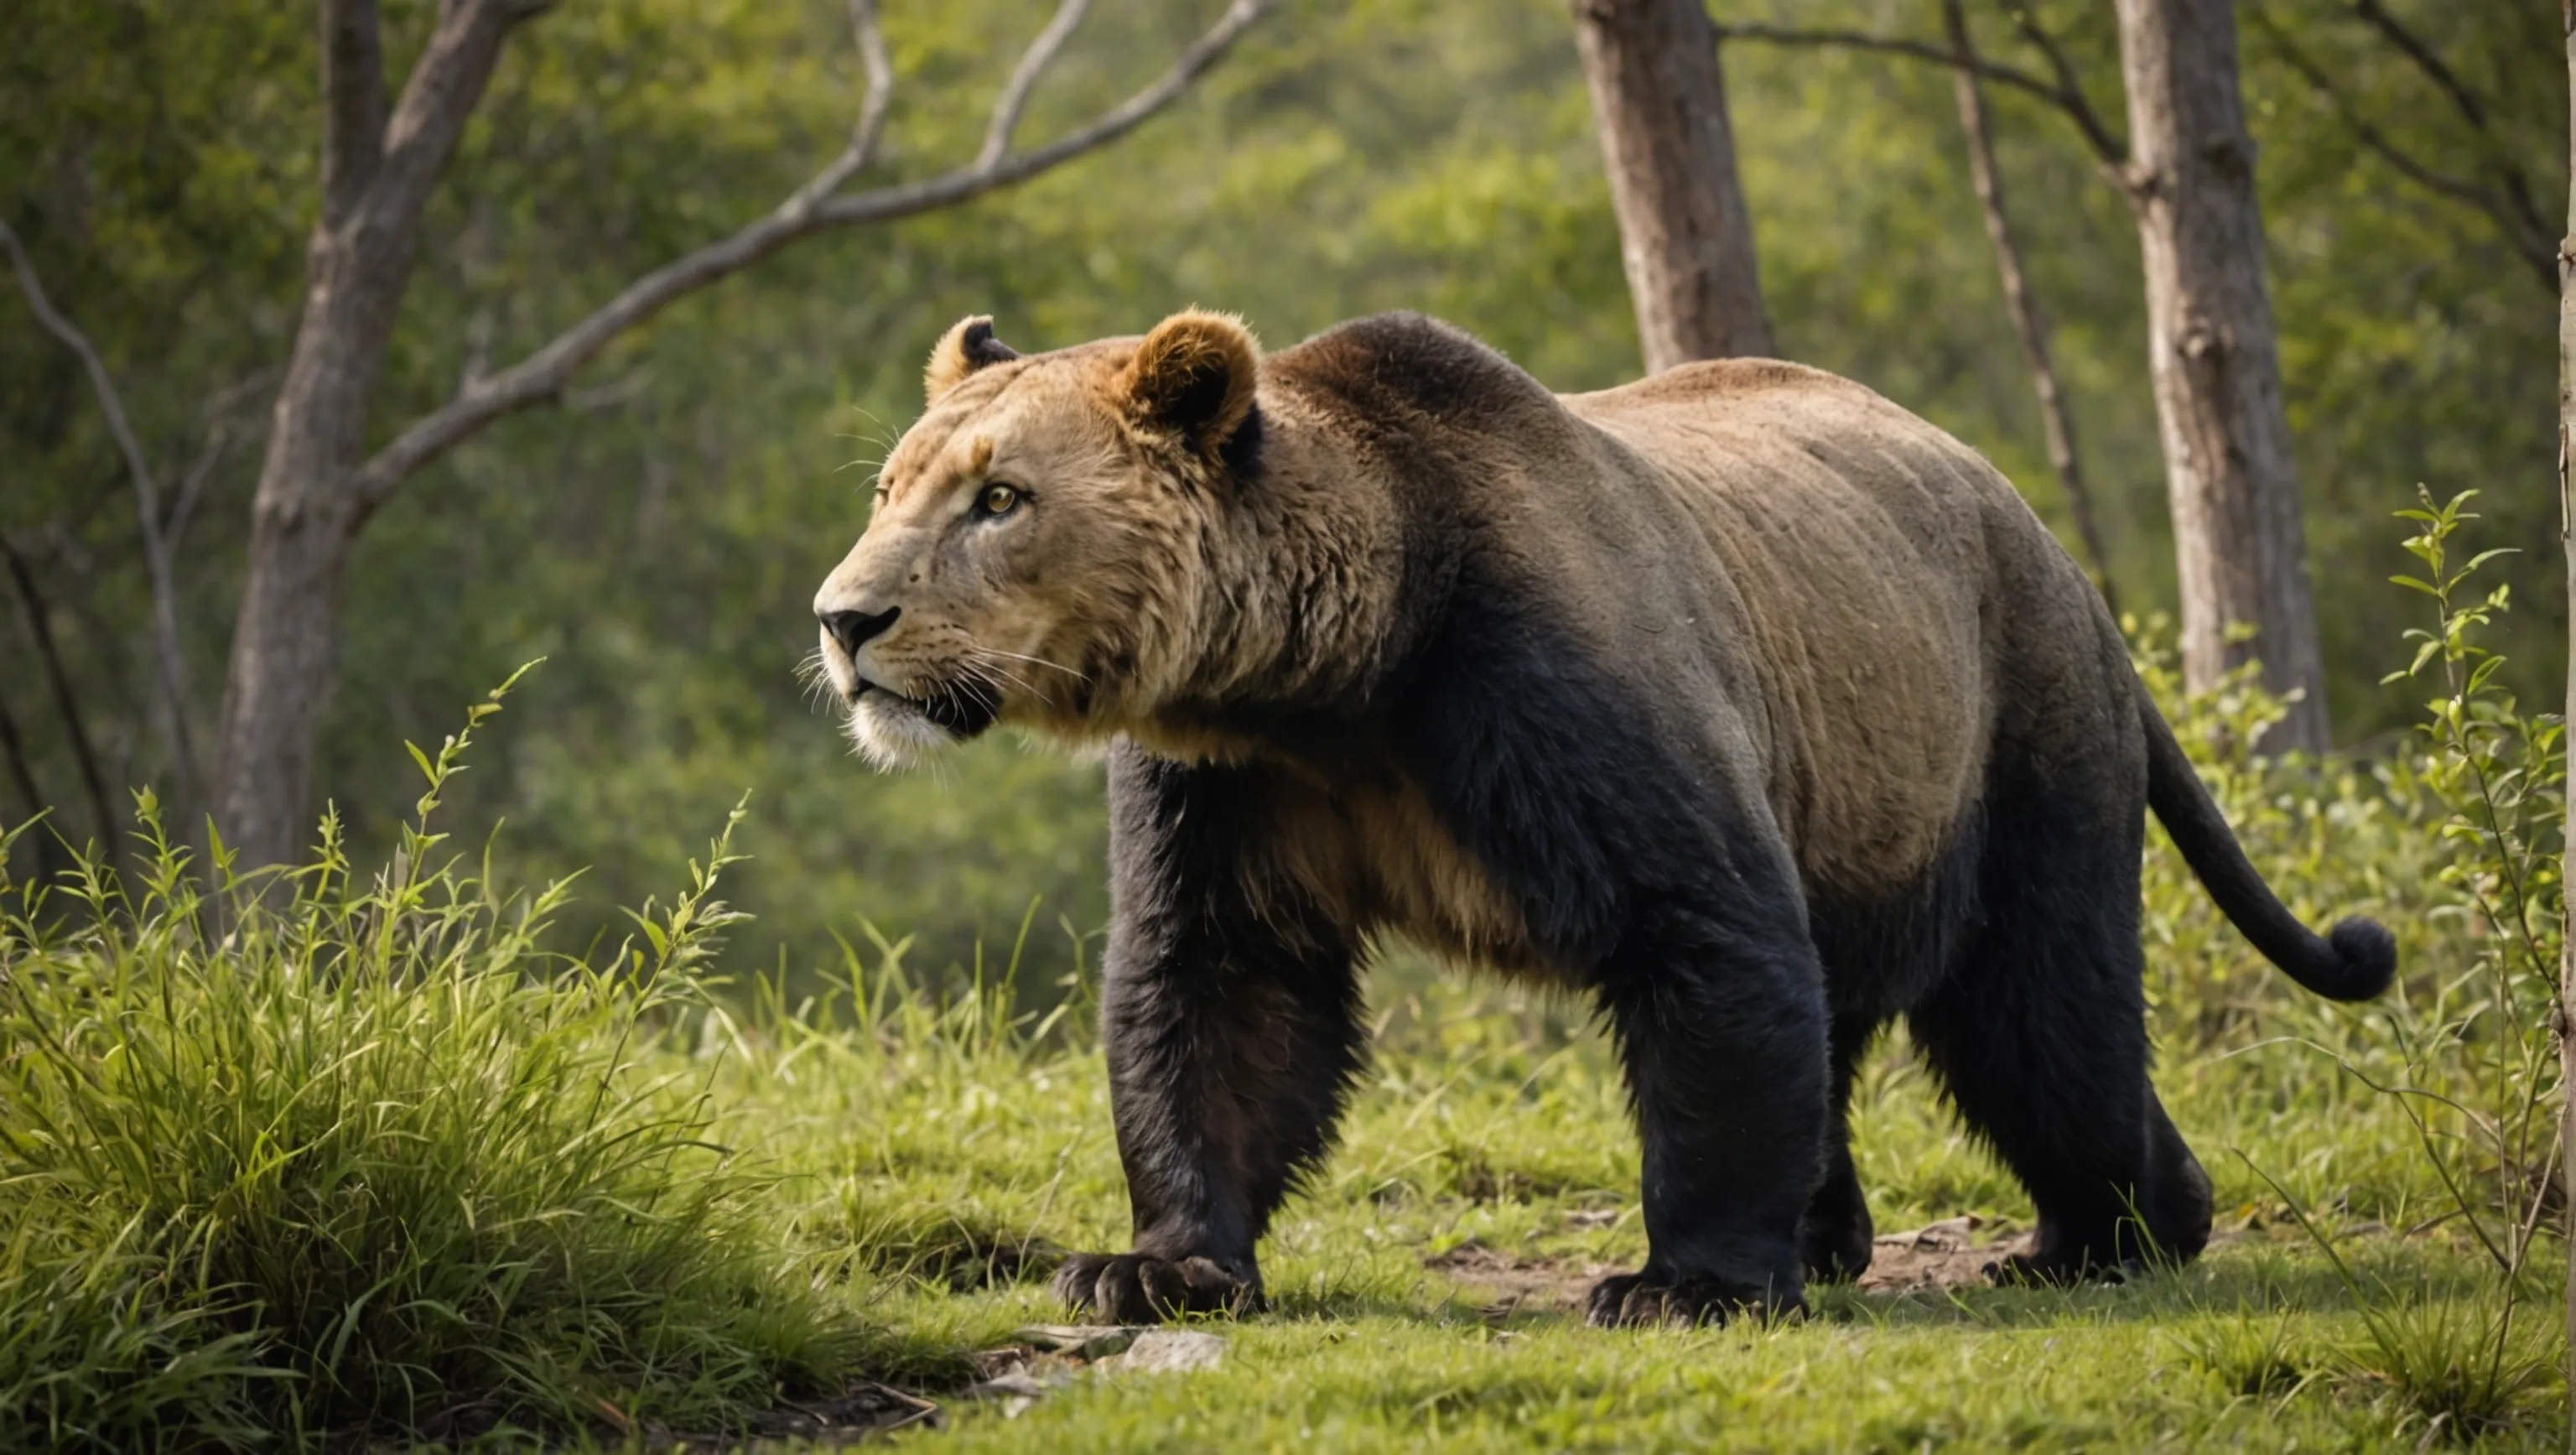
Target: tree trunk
(282, 668)
(1685, 237)
(2233, 486)
(2567, 544)
(376, 179)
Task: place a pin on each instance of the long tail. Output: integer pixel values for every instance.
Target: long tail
(2353, 961)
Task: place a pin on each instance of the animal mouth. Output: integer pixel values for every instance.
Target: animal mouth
(961, 709)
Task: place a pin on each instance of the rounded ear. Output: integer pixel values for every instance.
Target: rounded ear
(960, 352)
(1194, 376)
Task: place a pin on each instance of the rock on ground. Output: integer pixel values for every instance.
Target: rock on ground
(1169, 1351)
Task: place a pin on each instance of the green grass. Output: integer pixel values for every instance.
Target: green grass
(323, 1177)
(1487, 1117)
(328, 1156)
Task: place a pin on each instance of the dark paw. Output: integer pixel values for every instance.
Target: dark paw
(1131, 1288)
(1627, 1300)
(1836, 1237)
(1836, 1255)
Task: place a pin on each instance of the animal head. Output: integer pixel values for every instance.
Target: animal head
(1038, 550)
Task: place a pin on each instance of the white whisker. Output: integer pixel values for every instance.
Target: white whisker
(1041, 661)
(815, 679)
(988, 671)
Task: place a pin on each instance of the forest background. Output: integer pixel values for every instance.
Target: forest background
(658, 538)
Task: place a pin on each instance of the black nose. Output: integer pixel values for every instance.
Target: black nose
(854, 629)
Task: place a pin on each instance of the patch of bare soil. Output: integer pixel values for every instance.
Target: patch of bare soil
(1947, 1254)
(1506, 1284)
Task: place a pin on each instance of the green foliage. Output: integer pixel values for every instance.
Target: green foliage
(2462, 1366)
(318, 1153)
(2490, 1126)
(2500, 777)
(2458, 842)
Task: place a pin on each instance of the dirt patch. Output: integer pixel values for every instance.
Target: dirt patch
(1506, 1284)
(1947, 1254)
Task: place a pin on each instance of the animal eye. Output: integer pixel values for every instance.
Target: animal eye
(998, 499)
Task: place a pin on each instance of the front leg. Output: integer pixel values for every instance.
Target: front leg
(1720, 1016)
(1230, 1013)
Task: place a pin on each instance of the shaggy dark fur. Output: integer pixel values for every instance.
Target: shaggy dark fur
(1742, 703)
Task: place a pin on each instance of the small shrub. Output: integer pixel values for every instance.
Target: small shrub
(311, 1155)
(2472, 1061)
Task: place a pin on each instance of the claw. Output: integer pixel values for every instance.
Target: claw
(1633, 1300)
(1134, 1288)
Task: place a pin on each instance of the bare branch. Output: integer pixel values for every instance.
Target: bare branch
(219, 438)
(2528, 224)
(2067, 98)
(41, 628)
(2030, 325)
(542, 376)
(147, 511)
(1024, 79)
(2522, 230)
(192, 485)
(2109, 147)
(437, 100)
(2376, 16)
(1109, 126)
(1859, 40)
(353, 110)
(880, 74)
(16, 749)
(870, 39)
(112, 406)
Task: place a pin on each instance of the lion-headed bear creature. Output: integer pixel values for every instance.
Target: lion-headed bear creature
(1739, 701)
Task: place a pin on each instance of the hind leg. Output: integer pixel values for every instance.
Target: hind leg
(2040, 1037)
(1834, 1238)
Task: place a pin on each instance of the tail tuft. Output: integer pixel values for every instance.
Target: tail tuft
(2365, 960)
(2355, 960)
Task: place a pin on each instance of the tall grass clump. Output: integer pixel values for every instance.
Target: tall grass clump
(317, 1155)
